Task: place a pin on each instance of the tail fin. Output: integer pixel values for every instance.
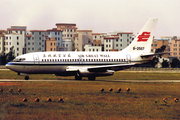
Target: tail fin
(142, 42)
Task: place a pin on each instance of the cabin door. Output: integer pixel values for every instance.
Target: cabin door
(80, 60)
(36, 59)
(128, 58)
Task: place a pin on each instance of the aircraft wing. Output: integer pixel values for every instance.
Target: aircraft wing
(102, 68)
(154, 54)
(114, 67)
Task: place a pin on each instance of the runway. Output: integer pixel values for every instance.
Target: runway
(138, 81)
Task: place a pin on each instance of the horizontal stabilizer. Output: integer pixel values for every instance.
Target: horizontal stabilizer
(154, 54)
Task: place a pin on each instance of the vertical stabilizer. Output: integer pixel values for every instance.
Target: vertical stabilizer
(142, 42)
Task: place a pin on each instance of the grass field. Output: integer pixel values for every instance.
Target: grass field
(84, 100)
(7, 74)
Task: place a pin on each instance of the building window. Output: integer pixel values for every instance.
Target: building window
(17, 43)
(28, 43)
(17, 38)
(175, 49)
(17, 49)
(51, 45)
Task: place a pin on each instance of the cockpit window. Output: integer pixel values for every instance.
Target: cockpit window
(19, 59)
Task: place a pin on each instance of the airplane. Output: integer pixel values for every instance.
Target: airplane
(87, 64)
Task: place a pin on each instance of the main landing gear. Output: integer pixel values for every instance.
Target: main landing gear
(78, 77)
(26, 78)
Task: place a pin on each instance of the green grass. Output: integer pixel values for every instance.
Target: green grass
(6, 74)
(84, 100)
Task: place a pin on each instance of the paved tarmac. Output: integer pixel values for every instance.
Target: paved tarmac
(139, 81)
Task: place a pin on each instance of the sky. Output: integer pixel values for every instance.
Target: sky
(101, 16)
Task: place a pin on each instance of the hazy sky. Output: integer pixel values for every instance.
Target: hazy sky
(98, 15)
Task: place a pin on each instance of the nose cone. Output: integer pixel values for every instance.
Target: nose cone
(9, 65)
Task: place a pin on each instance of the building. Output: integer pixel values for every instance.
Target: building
(68, 45)
(2, 33)
(109, 43)
(57, 34)
(68, 30)
(51, 44)
(158, 43)
(96, 39)
(125, 38)
(96, 42)
(82, 38)
(118, 42)
(175, 48)
(15, 36)
(35, 41)
(91, 48)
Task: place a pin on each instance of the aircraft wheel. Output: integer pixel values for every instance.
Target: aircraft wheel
(91, 78)
(27, 78)
(78, 77)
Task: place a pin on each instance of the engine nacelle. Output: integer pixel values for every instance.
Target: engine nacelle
(86, 73)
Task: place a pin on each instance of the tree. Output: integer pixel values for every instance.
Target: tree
(165, 64)
(160, 49)
(5, 58)
(10, 56)
(174, 62)
(154, 61)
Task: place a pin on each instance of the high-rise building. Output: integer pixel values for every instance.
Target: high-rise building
(68, 30)
(125, 38)
(35, 41)
(57, 34)
(82, 38)
(175, 48)
(15, 36)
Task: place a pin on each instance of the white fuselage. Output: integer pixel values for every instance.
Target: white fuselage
(57, 62)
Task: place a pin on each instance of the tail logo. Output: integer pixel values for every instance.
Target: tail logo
(143, 37)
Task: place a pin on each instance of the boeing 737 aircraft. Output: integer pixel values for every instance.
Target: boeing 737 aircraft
(87, 64)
